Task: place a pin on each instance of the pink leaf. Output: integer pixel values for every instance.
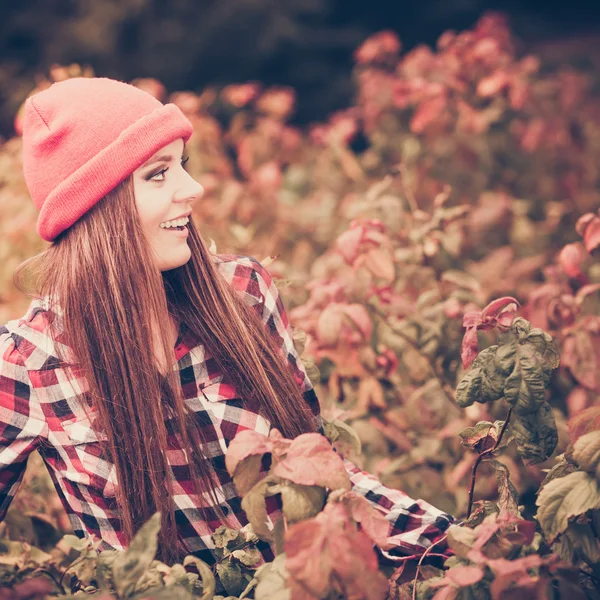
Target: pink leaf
(329, 325)
(591, 236)
(494, 308)
(360, 316)
(470, 347)
(465, 576)
(372, 522)
(348, 243)
(245, 444)
(570, 259)
(311, 460)
(327, 554)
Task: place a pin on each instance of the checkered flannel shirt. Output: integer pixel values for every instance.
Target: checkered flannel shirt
(39, 410)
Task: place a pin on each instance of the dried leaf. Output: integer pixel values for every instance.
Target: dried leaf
(129, 566)
(535, 434)
(272, 581)
(586, 452)
(344, 438)
(563, 498)
(508, 496)
(254, 505)
(230, 575)
(301, 502)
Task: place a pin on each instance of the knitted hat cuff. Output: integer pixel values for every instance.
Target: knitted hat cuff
(89, 184)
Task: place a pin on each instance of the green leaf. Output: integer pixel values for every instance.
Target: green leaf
(560, 469)
(564, 498)
(131, 564)
(301, 501)
(224, 537)
(165, 593)
(471, 387)
(272, 581)
(206, 575)
(586, 451)
(104, 565)
(578, 541)
(481, 437)
(253, 504)
(535, 434)
(461, 539)
(524, 388)
(343, 437)
(230, 575)
(248, 556)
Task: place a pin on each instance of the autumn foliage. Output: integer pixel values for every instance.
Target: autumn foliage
(436, 245)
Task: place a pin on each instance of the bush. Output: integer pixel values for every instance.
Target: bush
(451, 207)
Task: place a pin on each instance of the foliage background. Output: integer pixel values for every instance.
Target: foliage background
(457, 175)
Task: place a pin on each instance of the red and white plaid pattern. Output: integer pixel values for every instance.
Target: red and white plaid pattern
(40, 410)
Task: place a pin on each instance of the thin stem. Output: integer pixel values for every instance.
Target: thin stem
(51, 575)
(481, 457)
(410, 197)
(414, 592)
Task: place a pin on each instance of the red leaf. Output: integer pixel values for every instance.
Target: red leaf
(328, 553)
(570, 259)
(464, 576)
(360, 316)
(427, 112)
(494, 308)
(492, 84)
(329, 325)
(470, 347)
(591, 234)
(245, 444)
(372, 522)
(349, 242)
(310, 460)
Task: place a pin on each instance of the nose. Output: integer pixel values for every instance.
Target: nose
(190, 190)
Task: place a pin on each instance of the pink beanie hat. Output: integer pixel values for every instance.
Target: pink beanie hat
(82, 137)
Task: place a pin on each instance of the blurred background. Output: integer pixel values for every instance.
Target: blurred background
(306, 44)
(395, 165)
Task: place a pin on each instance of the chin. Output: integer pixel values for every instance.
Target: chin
(175, 262)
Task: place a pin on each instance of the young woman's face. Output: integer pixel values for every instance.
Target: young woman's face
(164, 192)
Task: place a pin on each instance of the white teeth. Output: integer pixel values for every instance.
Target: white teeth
(175, 223)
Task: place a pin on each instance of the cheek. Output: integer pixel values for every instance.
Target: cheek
(150, 207)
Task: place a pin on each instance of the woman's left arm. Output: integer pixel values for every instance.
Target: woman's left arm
(416, 524)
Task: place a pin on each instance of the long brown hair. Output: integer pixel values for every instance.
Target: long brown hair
(115, 304)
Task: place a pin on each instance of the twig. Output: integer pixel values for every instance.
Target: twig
(414, 592)
(410, 197)
(51, 575)
(481, 457)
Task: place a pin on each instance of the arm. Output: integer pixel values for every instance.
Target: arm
(416, 524)
(22, 423)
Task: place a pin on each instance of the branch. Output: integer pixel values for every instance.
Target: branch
(481, 457)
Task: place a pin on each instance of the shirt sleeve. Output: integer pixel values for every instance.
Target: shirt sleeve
(22, 423)
(415, 524)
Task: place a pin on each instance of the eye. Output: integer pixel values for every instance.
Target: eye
(161, 172)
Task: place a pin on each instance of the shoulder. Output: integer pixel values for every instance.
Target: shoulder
(29, 337)
(246, 275)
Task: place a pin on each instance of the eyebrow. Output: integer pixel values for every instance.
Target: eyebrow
(159, 158)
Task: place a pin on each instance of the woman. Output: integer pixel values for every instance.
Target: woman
(142, 354)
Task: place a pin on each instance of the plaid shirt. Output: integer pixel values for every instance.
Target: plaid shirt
(39, 410)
